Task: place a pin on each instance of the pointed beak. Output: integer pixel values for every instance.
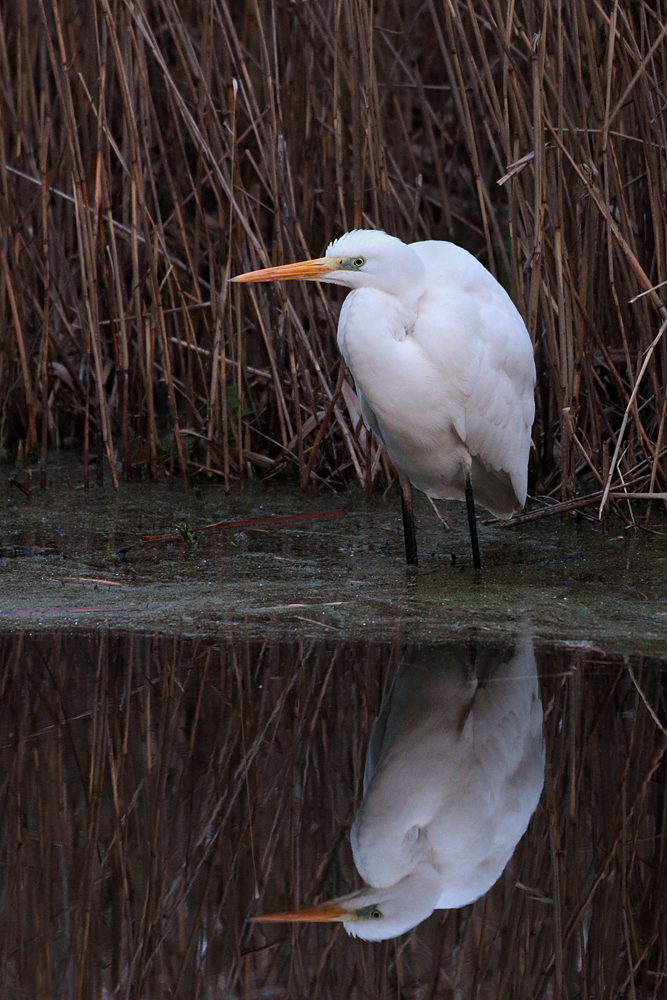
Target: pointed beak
(306, 270)
(325, 912)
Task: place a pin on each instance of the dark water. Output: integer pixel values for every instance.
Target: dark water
(156, 792)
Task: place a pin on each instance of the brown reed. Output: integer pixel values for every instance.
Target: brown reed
(149, 151)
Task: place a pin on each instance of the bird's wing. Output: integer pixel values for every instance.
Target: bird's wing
(504, 784)
(469, 325)
(510, 755)
(508, 731)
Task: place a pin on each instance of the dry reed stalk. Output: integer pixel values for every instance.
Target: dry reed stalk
(190, 141)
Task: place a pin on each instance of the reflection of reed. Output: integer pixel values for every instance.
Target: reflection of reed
(136, 833)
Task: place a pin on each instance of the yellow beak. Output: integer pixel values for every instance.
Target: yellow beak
(324, 912)
(306, 270)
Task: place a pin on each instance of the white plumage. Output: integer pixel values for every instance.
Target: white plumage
(443, 366)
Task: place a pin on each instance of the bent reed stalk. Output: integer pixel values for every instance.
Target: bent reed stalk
(151, 151)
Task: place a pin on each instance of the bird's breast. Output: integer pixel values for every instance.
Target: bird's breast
(370, 316)
(396, 375)
(415, 400)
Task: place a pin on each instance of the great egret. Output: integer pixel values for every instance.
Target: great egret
(443, 367)
(454, 771)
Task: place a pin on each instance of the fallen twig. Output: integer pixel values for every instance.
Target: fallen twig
(24, 489)
(567, 505)
(250, 522)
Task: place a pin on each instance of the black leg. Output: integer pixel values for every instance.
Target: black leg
(408, 523)
(472, 524)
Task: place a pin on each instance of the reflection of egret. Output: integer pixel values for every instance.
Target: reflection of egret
(443, 366)
(453, 774)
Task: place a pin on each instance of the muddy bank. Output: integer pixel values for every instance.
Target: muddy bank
(73, 559)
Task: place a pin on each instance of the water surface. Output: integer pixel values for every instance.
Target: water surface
(156, 791)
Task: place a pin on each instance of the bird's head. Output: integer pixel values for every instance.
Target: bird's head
(370, 913)
(364, 258)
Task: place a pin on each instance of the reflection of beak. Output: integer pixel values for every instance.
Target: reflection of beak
(306, 269)
(324, 912)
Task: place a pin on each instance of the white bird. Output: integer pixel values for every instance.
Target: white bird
(442, 363)
(454, 771)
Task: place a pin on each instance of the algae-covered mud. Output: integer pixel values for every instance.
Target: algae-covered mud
(77, 559)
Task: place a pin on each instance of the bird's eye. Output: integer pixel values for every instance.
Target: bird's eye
(359, 261)
(368, 913)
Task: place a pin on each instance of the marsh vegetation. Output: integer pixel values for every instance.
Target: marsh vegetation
(152, 150)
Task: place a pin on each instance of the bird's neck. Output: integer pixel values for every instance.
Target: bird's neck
(390, 313)
(419, 892)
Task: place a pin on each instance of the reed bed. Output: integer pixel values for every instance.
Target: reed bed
(152, 150)
(155, 792)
